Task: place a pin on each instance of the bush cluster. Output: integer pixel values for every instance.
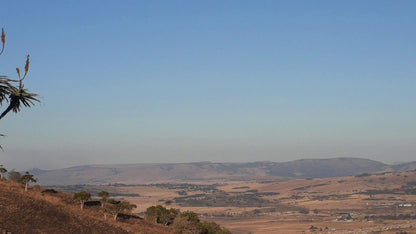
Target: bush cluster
(185, 222)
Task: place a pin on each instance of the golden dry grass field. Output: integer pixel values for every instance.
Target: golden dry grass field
(365, 203)
(380, 203)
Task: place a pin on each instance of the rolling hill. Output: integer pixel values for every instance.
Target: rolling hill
(168, 172)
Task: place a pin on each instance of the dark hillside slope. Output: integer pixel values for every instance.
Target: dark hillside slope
(324, 168)
(410, 166)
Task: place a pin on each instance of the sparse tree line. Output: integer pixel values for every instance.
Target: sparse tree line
(180, 222)
(185, 222)
(16, 176)
(109, 205)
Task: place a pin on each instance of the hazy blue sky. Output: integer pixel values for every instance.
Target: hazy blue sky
(222, 81)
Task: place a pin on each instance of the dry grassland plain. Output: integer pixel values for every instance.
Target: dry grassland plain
(357, 204)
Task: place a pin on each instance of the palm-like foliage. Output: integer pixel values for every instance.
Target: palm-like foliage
(5, 88)
(18, 97)
(13, 91)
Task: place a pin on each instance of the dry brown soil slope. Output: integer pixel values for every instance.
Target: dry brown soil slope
(32, 212)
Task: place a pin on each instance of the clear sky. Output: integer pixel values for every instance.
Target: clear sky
(221, 81)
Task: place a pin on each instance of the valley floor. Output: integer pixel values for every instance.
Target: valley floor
(379, 203)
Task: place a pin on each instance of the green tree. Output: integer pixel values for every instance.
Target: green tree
(189, 222)
(26, 179)
(2, 171)
(186, 222)
(211, 228)
(13, 91)
(104, 197)
(159, 214)
(82, 196)
(189, 216)
(116, 209)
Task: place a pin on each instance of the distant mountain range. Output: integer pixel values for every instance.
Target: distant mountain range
(170, 172)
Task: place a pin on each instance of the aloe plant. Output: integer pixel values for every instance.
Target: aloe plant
(13, 91)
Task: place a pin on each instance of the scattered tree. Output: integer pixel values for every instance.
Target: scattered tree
(159, 214)
(104, 197)
(189, 216)
(211, 228)
(82, 196)
(13, 91)
(26, 179)
(116, 209)
(2, 171)
(188, 222)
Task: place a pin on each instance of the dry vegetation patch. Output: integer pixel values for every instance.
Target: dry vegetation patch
(355, 204)
(36, 212)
